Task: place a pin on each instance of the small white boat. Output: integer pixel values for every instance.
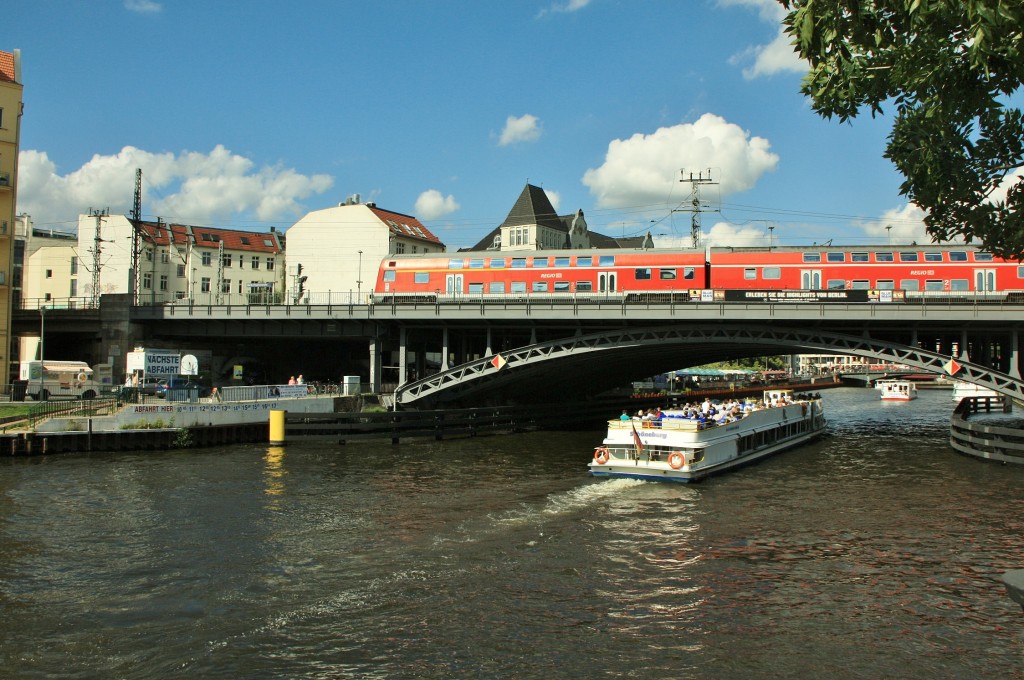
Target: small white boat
(680, 448)
(897, 390)
(963, 389)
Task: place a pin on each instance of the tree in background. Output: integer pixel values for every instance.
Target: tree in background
(953, 70)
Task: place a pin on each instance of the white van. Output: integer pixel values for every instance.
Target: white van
(46, 379)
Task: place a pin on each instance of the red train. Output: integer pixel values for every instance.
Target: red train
(836, 273)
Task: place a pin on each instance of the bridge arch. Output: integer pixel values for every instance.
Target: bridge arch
(584, 365)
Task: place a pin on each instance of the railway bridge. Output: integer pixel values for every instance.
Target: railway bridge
(468, 351)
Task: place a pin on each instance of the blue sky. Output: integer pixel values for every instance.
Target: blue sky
(250, 114)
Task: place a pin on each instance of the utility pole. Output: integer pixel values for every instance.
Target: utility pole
(696, 206)
(100, 215)
(136, 220)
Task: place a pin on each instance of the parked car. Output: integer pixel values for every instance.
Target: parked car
(150, 385)
(181, 387)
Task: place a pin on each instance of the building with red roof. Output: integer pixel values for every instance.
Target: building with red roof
(10, 134)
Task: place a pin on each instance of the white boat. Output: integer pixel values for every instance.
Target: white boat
(963, 389)
(681, 449)
(897, 390)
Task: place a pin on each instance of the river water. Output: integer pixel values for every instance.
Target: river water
(874, 552)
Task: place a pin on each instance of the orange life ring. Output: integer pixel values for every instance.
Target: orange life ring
(601, 455)
(676, 460)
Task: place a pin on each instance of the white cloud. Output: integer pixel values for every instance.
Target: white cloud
(778, 56)
(720, 234)
(644, 169)
(192, 188)
(143, 6)
(525, 128)
(431, 204)
(907, 226)
(555, 198)
(564, 7)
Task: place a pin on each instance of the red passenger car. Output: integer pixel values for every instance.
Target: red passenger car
(543, 273)
(916, 270)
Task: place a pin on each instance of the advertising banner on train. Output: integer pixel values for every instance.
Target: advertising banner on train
(860, 295)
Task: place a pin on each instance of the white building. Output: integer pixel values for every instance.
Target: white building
(335, 253)
(177, 262)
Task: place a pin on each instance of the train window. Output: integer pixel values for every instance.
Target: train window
(518, 262)
(689, 273)
(455, 264)
(497, 263)
(539, 287)
(476, 263)
(496, 287)
(858, 257)
(835, 284)
(750, 273)
(959, 284)
(835, 257)
(1020, 272)
(421, 277)
(884, 257)
(910, 284)
(957, 256)
(982, 257)
(606, 261)
(584, 286)
(587, 261)
(812, 257)
(771, 273)
(667, 274)
(885, 284)
(909, 257)
(561, 261)
(860, 284)
(476, 289)
(932, 257)
(933, 284)
(389, 275)
(643, 274)
(518, 287)
(540, 262)
(561, 286)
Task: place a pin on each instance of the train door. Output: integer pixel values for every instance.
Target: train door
(810, 279)
(606, 282)
(984, 280)
(453, 284)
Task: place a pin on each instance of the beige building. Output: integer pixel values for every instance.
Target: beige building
(340, 250)
(179, 263)
(10, 139)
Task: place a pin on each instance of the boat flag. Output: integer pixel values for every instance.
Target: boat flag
(636, 440)
(952, 367)
(498, 361)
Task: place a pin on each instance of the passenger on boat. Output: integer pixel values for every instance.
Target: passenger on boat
(624, 416)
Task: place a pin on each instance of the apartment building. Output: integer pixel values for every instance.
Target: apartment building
(10, 135)
(179, 263)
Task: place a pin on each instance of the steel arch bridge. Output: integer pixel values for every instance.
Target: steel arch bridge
(585, 365)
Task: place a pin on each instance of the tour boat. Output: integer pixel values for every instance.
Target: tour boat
(897, 390)
(963, 389)
(681, 449)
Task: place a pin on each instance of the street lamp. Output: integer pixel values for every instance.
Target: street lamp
(42, 332)
(359, 280)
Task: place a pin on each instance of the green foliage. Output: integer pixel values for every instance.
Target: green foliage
(183, 439)
(951, 69)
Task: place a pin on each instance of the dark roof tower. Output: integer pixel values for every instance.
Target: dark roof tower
(533, 207)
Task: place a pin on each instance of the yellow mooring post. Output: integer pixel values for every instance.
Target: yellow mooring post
(277, 427)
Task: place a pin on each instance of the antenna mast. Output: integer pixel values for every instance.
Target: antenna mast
(696, 205)
(136, 220)
(96, 241)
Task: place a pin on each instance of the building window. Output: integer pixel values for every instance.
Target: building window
(165, 257)
(149, 254)
(226, 259)
(147, 281)
(163, 282)
(207, 258)
(225, 286)
(74, 288)
(181, 271)
(74, 266)
(204, 284)
(270, 264)
(399, 248)
(255, 262)
(49, 273)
